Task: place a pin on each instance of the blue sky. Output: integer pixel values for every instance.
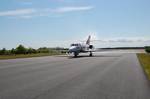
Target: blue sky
(51, 23)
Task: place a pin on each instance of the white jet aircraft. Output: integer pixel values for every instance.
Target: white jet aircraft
(77, 48)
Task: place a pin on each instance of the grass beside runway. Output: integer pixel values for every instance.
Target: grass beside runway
(2, 57)
(145, 62)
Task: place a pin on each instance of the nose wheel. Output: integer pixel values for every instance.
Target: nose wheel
(91, 54)
(75, 54)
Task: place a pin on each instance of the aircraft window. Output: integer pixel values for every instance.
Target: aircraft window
(74, 44)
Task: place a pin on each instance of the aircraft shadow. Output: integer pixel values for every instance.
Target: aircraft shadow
(84, 56)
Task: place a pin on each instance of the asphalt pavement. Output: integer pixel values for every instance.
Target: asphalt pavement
(103, 76)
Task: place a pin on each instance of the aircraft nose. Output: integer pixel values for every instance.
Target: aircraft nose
(72, 49)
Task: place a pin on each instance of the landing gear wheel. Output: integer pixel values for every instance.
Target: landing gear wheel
(75, 54)
(91, 54)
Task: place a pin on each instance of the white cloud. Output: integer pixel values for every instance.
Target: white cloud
(30, 12)
(126, 40)
(17, 12)
(72, 9)
(121, 42)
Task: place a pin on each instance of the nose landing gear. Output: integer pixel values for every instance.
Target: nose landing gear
(75, 54)
(91, 54)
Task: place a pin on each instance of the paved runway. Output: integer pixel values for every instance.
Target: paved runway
(104, 76)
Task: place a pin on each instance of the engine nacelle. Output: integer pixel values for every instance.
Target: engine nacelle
(91, 46)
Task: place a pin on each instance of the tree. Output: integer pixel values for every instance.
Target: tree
(43, 50)
(3, 51)
(147, 49)
(21, 50)
(13, 51)
(31, 50)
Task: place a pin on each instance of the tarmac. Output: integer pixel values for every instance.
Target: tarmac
(106, 75)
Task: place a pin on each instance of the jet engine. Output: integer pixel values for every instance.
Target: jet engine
(91, 46)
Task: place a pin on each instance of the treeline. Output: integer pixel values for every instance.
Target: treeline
(23, 50)
(123, 48)
(147, 49)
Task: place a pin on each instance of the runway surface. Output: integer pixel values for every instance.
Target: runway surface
(103, 76)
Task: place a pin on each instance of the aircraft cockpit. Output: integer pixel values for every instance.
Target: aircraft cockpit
(75, 45)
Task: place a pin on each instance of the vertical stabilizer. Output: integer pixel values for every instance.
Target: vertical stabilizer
(88, 40)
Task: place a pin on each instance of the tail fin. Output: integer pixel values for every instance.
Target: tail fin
(88, 40)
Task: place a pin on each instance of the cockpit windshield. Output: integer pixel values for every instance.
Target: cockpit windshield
(74, 44)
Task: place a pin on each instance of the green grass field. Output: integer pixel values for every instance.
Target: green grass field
(145, 62)
(2, 57)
